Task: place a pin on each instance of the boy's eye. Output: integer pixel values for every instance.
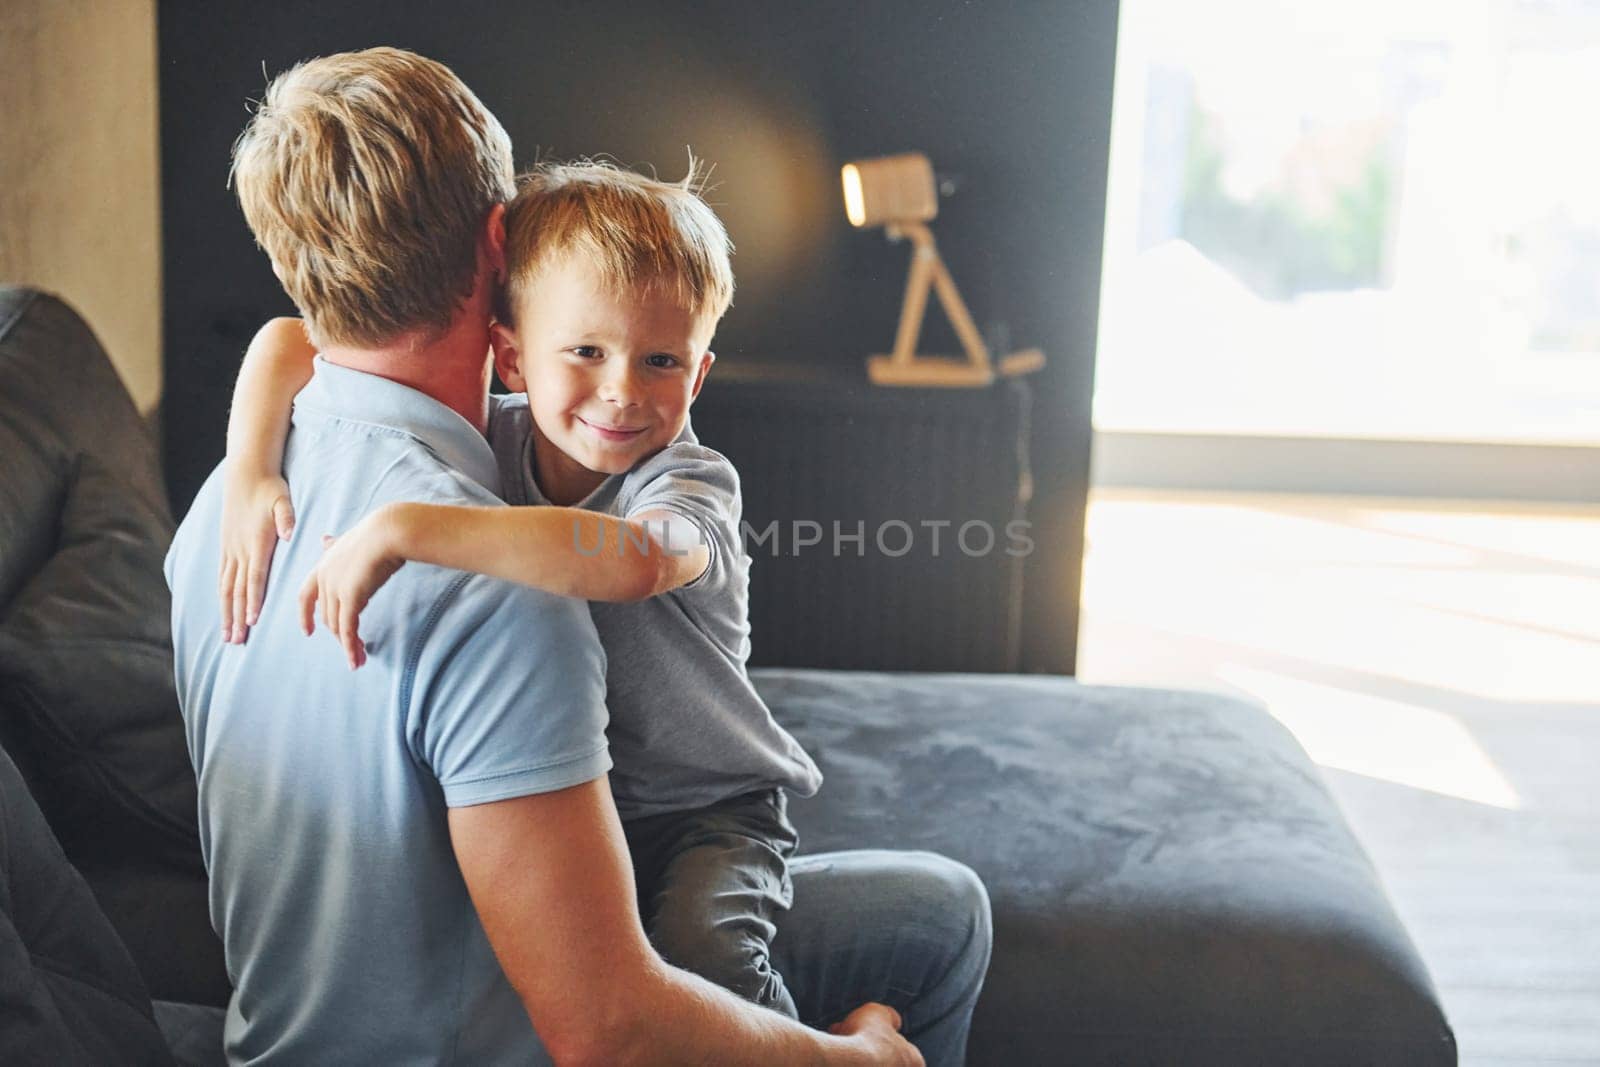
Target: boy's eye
(661, 359)
(586, 351)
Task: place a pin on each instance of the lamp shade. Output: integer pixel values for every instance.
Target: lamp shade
(890, 189)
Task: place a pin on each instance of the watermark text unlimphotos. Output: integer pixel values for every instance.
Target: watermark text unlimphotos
(893, 538)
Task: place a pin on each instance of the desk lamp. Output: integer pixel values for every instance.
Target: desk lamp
(898, 193)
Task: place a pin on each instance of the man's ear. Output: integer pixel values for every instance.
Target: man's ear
(507, 357)
(494, 242)
(700, 375)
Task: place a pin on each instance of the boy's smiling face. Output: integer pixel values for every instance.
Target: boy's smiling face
(609, 376)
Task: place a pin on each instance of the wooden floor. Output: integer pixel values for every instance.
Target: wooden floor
(1441, 663)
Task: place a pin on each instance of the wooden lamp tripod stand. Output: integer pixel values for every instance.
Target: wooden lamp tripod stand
(898, 193)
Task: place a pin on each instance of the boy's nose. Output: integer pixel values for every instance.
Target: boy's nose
(619, 388)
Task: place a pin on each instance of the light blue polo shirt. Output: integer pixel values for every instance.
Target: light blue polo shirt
(348, 931)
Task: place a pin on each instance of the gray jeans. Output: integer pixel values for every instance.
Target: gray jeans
(720, 896)
(713, 884)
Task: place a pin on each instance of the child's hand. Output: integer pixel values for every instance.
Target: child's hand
(353, 567)
(256, 515)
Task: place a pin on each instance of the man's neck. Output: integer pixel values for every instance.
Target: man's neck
(452, 368)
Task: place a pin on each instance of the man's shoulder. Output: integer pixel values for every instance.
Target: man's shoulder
(386, 468)
(332, 489)
(494, 611)
(425, 479)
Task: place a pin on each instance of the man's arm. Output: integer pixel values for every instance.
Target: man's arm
(256, 511)
(551, 880)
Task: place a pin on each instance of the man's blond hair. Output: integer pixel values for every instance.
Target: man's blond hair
(367, 177)
(632, 230)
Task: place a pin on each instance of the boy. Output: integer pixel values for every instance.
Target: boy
(615, 285)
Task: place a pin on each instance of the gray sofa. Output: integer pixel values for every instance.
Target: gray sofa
(1171, 881)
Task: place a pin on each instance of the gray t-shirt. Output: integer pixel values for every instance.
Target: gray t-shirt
(687, 728)
(324, 792)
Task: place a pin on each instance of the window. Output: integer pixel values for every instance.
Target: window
(1375, 219)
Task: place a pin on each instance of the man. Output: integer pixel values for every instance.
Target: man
(420, 862)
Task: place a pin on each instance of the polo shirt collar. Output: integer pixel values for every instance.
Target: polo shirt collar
(357, 397)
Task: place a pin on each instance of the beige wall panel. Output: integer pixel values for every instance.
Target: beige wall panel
(80, 193)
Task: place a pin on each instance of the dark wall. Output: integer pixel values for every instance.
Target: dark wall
(1011, 99)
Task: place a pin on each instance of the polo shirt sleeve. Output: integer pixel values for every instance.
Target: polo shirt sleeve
(509, 426)
(508, 693)
(508, 415)
(702, 486)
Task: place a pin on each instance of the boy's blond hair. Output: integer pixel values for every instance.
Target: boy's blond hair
(633, 230)
(367, 177)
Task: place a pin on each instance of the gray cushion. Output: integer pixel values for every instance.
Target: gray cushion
(85, 657)
(193, 1032)
(87, 705)
(69, 993)
(1171, 881)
